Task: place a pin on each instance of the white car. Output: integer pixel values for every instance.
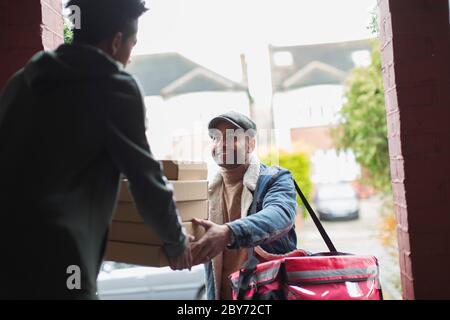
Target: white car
(337, 201)
(118, 281)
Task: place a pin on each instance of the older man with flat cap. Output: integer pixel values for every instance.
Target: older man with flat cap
(251, 205)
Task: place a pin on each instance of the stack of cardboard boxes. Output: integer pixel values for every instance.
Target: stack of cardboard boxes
(132, 241)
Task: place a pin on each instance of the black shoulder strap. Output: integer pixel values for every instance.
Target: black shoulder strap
(316, 220)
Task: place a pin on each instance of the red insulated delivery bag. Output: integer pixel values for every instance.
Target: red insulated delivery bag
(300, 275)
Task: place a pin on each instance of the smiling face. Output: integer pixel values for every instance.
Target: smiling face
(231, 146)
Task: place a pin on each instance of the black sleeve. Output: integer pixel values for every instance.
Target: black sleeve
(129, 149)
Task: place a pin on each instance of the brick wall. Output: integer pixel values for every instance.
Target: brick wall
(415, 48)
(52, 26)
(27, 27)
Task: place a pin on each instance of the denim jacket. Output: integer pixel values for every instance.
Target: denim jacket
(267, 217)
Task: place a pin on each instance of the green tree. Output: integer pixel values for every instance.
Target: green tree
(364, 131)
(68, 33)
(298, 164)
(374, 26)
(364, 128)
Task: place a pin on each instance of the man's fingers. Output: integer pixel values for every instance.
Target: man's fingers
(182, 262)
(201, 254)
(203, 249)
(173, 263)
(188, 258)
(197, 246)
(190, 261)
(195, 250)
(204, 255)
(204, 223)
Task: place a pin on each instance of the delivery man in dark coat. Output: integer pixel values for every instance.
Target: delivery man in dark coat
(71, 121)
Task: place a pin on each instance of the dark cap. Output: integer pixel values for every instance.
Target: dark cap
(235, 118)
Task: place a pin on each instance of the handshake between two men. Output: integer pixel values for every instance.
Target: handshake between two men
(201, 250)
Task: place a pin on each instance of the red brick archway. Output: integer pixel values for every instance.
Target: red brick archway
(27, 27)
(415, 40)
(415, 37)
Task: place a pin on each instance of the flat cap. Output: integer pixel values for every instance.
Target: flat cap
(235, 118)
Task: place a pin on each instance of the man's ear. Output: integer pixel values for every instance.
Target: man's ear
(116, 43)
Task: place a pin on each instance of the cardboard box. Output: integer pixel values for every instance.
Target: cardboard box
(188, 210)
(140, 233)
(145, 255)
(182, 190)
(193, 209)
(190, 190)
(183, 170)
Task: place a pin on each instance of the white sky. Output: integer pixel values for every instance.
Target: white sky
(215, 32)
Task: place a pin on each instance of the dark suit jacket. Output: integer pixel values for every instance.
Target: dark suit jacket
(70, 122)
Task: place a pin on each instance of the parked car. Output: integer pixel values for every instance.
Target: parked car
(336, 201)
(129, 282)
